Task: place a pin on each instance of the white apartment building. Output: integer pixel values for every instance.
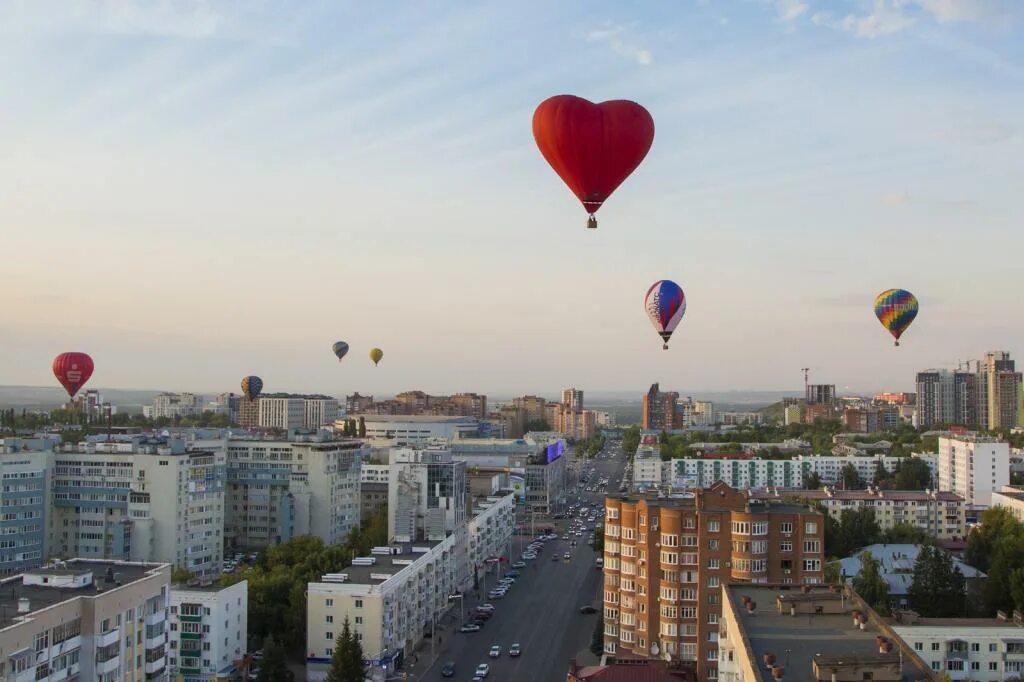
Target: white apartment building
(101, 621)
(208, 631)
(374, 473)
(941, 514)
(140, 501)
(986, 649)
(490, 531)
(426, 494)
(319, 410)
(1012, 499)
(278, 489)
(282, 411)
(973, 466)
(648, 469)
(390, 598)
(174, 406)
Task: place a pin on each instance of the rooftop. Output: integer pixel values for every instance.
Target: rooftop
(798, 641)
(869, 494)
(897, 565)
(68, 580)
(387, 565)
(421, 418)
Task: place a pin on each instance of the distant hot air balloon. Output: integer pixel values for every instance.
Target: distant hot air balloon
(340, 348)
(376, 354)
(72, 370)
(592, 147)
(896, 309)
(251, 387)
(665, 304)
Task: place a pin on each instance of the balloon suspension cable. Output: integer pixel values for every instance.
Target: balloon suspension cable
(592, 222)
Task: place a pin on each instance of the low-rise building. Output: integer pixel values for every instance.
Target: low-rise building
(208, 631)
(416, 429)
(373, 498)
(942, 515)
(965, 648)
(101, 621)
(1011, 499)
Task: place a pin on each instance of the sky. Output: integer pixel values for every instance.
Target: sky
(195, 191)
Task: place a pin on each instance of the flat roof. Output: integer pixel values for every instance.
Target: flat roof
(797, 641)
(918, 495)
(40, 597)
(361, 575)
(413, 418)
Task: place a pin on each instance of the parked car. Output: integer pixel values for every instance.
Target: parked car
(519, 564)
(470, 627)
(487, 607)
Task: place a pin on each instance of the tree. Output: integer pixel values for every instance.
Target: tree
(850, 478)
(912, 473)
(180, 576)
(812, 481)
(597, 639)
(870, 584)
(362, 427)
(273, 668)
(630, 440)
(856, 529)
(347, 657)
(996, 546)
(937, 590)
(537, 425)
(907, 534)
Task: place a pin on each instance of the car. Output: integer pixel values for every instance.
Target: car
(469, 627)
(554, 557)
(496, 594)
(507, 581)
(530, 556)
(483, 669)
(566, 556)
(519, 564)
(448, 669)
(478, 678)
(495, 651)
(515, 650)
(587, 610)
(485, 607)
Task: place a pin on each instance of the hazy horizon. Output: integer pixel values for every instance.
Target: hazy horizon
(198, 191)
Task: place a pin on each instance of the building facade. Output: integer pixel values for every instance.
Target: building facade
(319, 410)
(208, 631)
(25, 503)
(416, 430)
(973, 466)
(281, 411)
(665, 561)
(658, 410)
(426, 494)
(1011, 499)
(967, 648)
(174, 406)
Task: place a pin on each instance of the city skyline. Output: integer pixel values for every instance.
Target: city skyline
(200, 192)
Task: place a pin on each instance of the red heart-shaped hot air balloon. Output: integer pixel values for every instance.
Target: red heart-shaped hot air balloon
(72, 370)
(592, 147)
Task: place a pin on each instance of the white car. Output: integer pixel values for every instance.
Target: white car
(495, 651)
(483, 669)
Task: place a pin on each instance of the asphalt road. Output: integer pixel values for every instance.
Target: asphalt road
(540, 612)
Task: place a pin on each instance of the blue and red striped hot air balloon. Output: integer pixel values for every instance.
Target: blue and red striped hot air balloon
(896, 309)
(340, 348)
(665, 304)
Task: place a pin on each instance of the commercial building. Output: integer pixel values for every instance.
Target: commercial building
(769, 633)
(973, 466)
(426, 494)
(988, 649)
(896, 566)
(415, 430)
(278, 489)
(101, 621)
(25, 503)
(208, 631)
(941, 514)
(143, 500)
(538, 463)
(665, 561)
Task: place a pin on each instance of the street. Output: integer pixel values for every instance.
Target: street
(541, 611)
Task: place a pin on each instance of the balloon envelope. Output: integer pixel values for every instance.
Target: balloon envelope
(592, 147)
(896, 309)
(72, 370)
(251, 387)
(376, 354)
(665, 304)
(340, 348)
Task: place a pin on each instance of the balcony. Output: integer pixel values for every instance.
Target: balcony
(156, 640)
(108, 638)
(156, 618)
(102, 668)
(155, 666)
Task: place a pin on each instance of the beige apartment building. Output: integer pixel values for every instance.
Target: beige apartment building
(666, 559)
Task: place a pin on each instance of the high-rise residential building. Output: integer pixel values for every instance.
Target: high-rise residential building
(1002, 390)
(973, 466)
(871, 418)
(208, 631)
(249, 413)
(279, 489)
(703, 413)
(659, 409)
(533, 406)
(358, 404)
(319, 410)
(102, 621)
(140, 501)
(572, 400)
(513, 421)
(175, 406)
(281, 411)
(945, 397)
(820, 394)
(426, 494)
(226, 404)
(468, 405)
(665, 561)
(25, 504)
(90, 403)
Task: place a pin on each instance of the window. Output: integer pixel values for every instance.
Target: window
(712, 563)
(975, 665)
(812, 547)
(713, 545)
(786, 546)
(712, 619)
(760, 528)
(993, 647)
(329, 602)
(918, 646)
(359, 620)
(786, 527)
(329, 652)
(328, 635)
(713, 526)
(812, 564)
(359, 603)
(330, 619)
(811, 528)
(975, 646)
(713, 581)
(935, 646)
(993, 666)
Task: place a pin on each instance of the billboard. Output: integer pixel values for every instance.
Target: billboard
(518, 484)
(555, 450)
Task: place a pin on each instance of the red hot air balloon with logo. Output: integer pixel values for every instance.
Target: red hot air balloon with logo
(72, 371)
(592, 147)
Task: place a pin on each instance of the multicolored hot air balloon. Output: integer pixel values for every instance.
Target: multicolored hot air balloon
(376, 354)
(896, 309)
(665, 304)
(340, 348)
(251, 387)
(592, 147)
(72, 371)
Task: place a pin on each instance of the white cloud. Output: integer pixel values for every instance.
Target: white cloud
(790, 10)
(887, 17)
(177, 18)
(613, 37)
(884, 19)
(976, 11)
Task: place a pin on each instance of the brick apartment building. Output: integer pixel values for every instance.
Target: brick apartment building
(666, 559)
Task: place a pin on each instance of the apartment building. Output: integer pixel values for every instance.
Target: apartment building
(281, 411)
(208, 631)
(373, 498)
(174, 406)
(142, 500)
(278, 489)
(102, 621)
(24, 503)
(984, 649)
(426, 494)
(941, 514)
(489, 531)
(973, 466)
(666, 559)
(319, 410)
(1012, 499)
